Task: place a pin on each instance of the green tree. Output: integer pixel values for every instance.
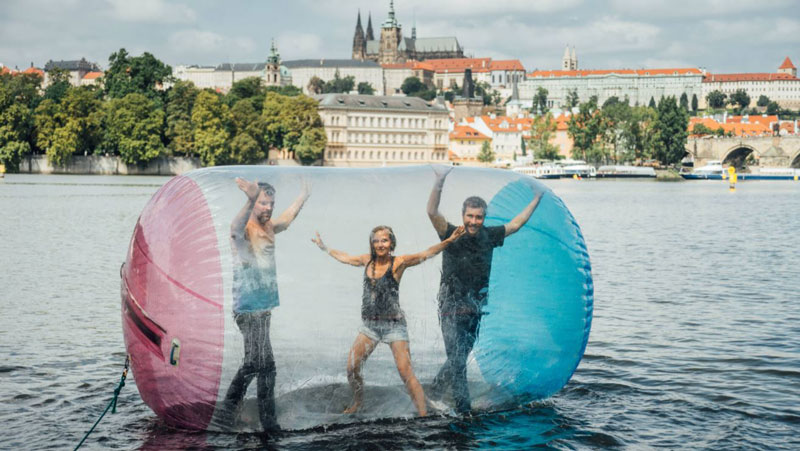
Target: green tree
(543, 128)
(717, 99)
(311, 145)
(73, 127)
(773, 108)
(652, 103)
(412, 85)
(210, 117)
(366, 88)
(19, 94)
(638, 133)
(133, 128)
(540, 101)
(339, 84)
(251, 89)
(287, 119)
(58, 84)
(701, 130)
(613, 141)
(486, 155)
(572, 99)
(584, 127)
(179, 132)
(694, 103)
(684, 102)
(143, 74)
(670, 131)
(288, 90)
(740, 98)
(762, 101)
(315, 85)
(247, 128)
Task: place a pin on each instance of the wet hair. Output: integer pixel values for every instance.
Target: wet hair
(392, 239)
(473, 202)
(266, 188)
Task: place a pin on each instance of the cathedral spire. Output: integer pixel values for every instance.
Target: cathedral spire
(370, 36)
(414, 28)
(391, 21)
(359, 43)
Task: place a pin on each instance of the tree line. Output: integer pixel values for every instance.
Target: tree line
(140, 112)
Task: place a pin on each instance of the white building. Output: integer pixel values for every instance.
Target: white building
(364, 130)
(639, 86)
(782, 87)
(302, 71)
(223, 76)
(500, 74)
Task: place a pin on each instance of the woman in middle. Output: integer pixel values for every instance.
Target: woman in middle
(383, 319)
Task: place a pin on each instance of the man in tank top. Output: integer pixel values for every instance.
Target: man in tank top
(255, 294)
(466, 266)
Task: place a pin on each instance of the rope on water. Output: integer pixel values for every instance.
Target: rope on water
(111, 405)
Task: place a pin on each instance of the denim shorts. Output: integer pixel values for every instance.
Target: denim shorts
(385, 330)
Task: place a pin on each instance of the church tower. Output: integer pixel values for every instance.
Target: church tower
(370, 36)
(390, 39)
(272, 71)
(359, 42)
(566, 60)
(573, 60)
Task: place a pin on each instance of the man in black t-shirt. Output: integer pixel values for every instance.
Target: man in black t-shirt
(466, 265)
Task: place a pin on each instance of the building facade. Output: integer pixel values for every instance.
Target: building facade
(302, 71)
(639, 86)
(782, 86)
(222, 77)
(368, 131)
(393, 48)
(76, 69)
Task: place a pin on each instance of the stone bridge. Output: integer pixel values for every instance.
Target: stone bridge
(768, 151)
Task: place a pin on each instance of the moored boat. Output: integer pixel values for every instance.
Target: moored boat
(626, 172)
(542, 171)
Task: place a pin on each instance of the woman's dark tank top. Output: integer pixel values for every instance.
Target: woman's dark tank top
(381, 298)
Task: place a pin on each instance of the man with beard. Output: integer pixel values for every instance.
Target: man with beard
(466, 265)
(255, 294)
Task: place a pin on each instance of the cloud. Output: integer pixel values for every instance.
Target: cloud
(670, 9)
(193, 43)
(301, 45)
(151, 11)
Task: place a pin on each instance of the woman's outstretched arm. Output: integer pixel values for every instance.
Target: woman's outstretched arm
(355, 260)
(407, 261)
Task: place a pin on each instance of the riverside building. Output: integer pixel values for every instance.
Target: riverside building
(782, 86)
(368, 131)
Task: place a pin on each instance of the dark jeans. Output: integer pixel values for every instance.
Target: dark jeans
(258, 363)
(459, 332)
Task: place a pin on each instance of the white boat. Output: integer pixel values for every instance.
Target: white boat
(626, 172)
(711, 171)
(577, 167)
(542, 171)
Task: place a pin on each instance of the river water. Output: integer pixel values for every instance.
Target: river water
(695, 341)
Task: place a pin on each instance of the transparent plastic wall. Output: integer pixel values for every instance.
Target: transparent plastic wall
(178, 301)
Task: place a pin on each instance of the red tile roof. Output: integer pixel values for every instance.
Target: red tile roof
(507, 65)
(639, 72)
(34, 70)
(459, 64)
(92, 75)
(5, 70)
(787, 64)
(466, 132)
(725, 78)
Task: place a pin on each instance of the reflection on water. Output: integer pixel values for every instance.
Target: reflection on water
(694, 339)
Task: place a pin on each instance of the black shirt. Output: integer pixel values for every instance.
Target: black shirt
(466, 264)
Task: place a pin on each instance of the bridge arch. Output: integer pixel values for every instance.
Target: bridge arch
(794, 160)
(738, 154)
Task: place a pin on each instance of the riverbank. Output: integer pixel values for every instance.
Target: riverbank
(668, 175)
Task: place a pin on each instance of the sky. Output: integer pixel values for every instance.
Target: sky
(721, 36)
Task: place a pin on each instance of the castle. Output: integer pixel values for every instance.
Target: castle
(393, 48)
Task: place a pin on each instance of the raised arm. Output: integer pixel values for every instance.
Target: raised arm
(286, 218)
(520, 220)
(240, 221)
(438, 221)
(407, 261)
(355, 260)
